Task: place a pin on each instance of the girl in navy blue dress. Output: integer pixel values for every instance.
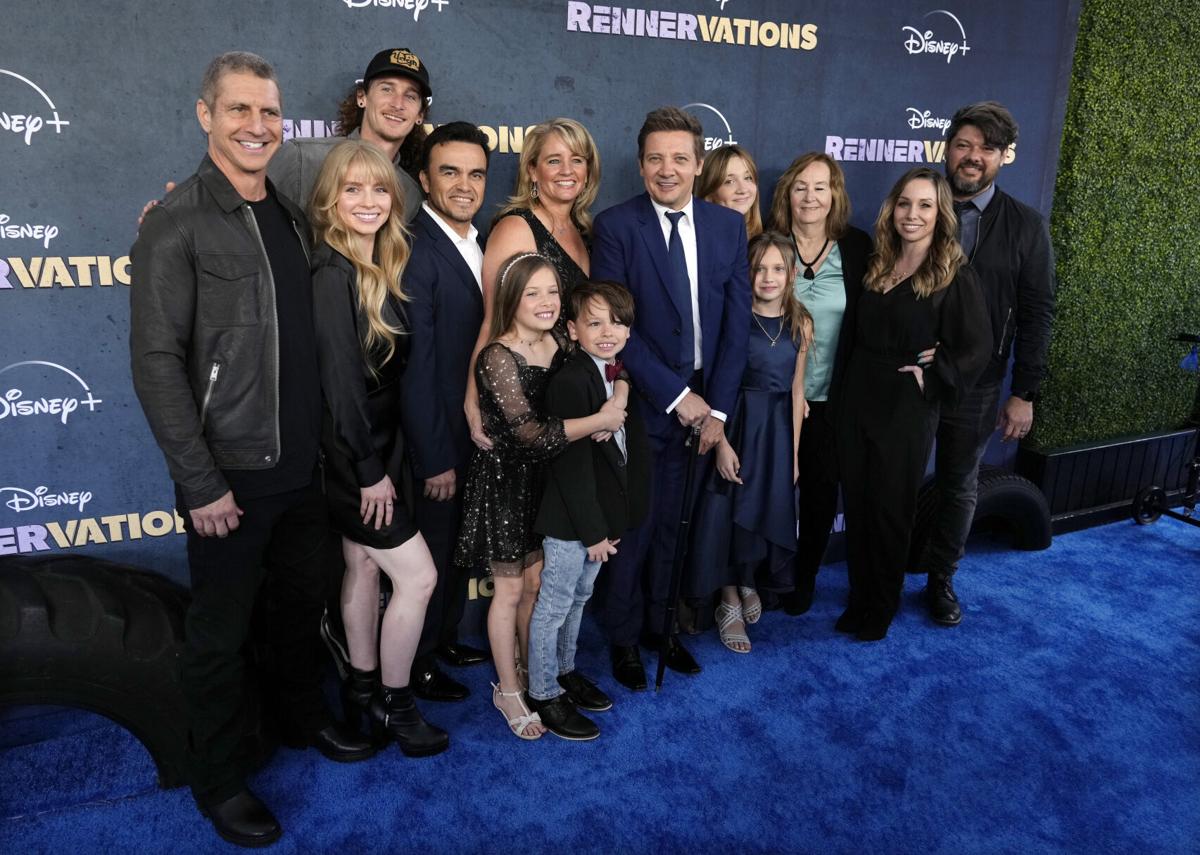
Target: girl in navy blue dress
(746, 521)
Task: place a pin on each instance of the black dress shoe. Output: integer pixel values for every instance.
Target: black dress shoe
(243, 819)
(584, 693)
(432, 684)
(873, 626)
(460, 655)
(942, 601)
(678, 658)
(799, 601)
(342, 743)
(627, 667)
(562, 719)
(850, 621)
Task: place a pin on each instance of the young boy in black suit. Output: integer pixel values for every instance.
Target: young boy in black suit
(594, 492)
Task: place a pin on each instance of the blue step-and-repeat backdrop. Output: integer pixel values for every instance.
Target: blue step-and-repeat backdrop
(97, 111)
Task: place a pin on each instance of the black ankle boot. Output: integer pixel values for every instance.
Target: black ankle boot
(394, 711)
(358, 690)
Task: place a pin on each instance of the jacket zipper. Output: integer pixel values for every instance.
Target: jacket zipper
(249, 215)
(1004, 332)
(208, 392)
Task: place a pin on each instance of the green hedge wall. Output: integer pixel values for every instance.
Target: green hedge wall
(1126, 225)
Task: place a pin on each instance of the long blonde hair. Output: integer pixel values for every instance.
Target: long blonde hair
(580, 142)
(379, 276)
(839, 208)
(795, 314)
(945, 255)
(713, 176)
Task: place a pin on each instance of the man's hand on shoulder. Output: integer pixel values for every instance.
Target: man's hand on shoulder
(146, 208)
(219, 517)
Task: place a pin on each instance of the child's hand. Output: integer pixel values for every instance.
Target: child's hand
(602, 550)
(728, 463)
(612, 416)
(795, 469)
(804, 408)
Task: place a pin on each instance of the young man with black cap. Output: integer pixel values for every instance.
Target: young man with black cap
(386, 108)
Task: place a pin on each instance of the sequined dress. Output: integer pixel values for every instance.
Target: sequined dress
(504, 485)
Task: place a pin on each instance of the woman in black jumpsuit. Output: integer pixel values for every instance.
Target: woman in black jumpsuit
(919, 292)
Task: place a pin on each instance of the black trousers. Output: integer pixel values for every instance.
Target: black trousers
(962, 437)
(276, 553)
(818, 486)
(887, 430)
(634, 586)
(439, 523)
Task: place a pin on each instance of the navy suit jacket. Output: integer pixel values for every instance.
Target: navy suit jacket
(629, 247)
(445, 312)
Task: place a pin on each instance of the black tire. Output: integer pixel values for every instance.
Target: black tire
(80, 632)
(1005, 501)
(1148, 505)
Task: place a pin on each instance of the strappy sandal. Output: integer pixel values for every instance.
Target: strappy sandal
(728, 613)
(521, 723)
(751, 613)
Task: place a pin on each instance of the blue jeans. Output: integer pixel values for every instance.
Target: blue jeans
(567, 581)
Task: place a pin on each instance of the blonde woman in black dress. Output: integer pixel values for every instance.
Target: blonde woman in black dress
(357, 214)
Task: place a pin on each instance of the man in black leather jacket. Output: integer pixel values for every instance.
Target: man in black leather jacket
(1008, 245)
(224, 364)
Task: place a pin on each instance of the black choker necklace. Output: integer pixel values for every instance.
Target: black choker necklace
(808, 265)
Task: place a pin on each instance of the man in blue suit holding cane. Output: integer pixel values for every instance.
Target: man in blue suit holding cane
(685, 262)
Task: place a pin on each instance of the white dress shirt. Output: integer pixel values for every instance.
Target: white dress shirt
(687, 236)
(468, 247)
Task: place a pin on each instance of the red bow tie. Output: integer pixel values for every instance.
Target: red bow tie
(612, 370)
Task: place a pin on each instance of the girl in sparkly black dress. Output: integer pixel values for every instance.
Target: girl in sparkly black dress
(503, 487)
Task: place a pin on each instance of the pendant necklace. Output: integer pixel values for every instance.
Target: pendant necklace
(808, 265)
(778, 335)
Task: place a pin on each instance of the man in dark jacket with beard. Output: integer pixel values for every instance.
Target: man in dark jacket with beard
(1008, 245)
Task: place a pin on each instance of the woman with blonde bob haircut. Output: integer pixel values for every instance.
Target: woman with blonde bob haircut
(730, 179)
(810, 207)
(549, 213)
(357, 213)
(920, 295)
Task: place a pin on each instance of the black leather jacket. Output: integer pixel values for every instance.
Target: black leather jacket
(204, 333)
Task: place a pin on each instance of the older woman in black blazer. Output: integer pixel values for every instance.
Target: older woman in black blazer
(811, 205)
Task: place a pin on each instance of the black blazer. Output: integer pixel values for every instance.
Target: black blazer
(445, 311)
(855, 247)
(590, 492)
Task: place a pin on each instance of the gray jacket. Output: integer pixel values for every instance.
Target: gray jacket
(295, 167)
(204, 336)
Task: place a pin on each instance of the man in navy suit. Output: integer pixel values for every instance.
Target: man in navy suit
(445, 311)
(685, 262)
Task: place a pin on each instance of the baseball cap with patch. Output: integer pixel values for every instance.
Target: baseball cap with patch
(402, 62)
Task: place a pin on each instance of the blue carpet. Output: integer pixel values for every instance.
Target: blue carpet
(1063, 715)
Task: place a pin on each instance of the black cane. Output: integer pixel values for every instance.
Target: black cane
(681, 549)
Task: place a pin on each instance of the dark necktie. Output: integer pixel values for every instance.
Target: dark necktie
(968, 225)
(612, 370)
(682, 289)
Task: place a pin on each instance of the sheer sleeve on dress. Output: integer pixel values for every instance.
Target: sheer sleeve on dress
(509, 414)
